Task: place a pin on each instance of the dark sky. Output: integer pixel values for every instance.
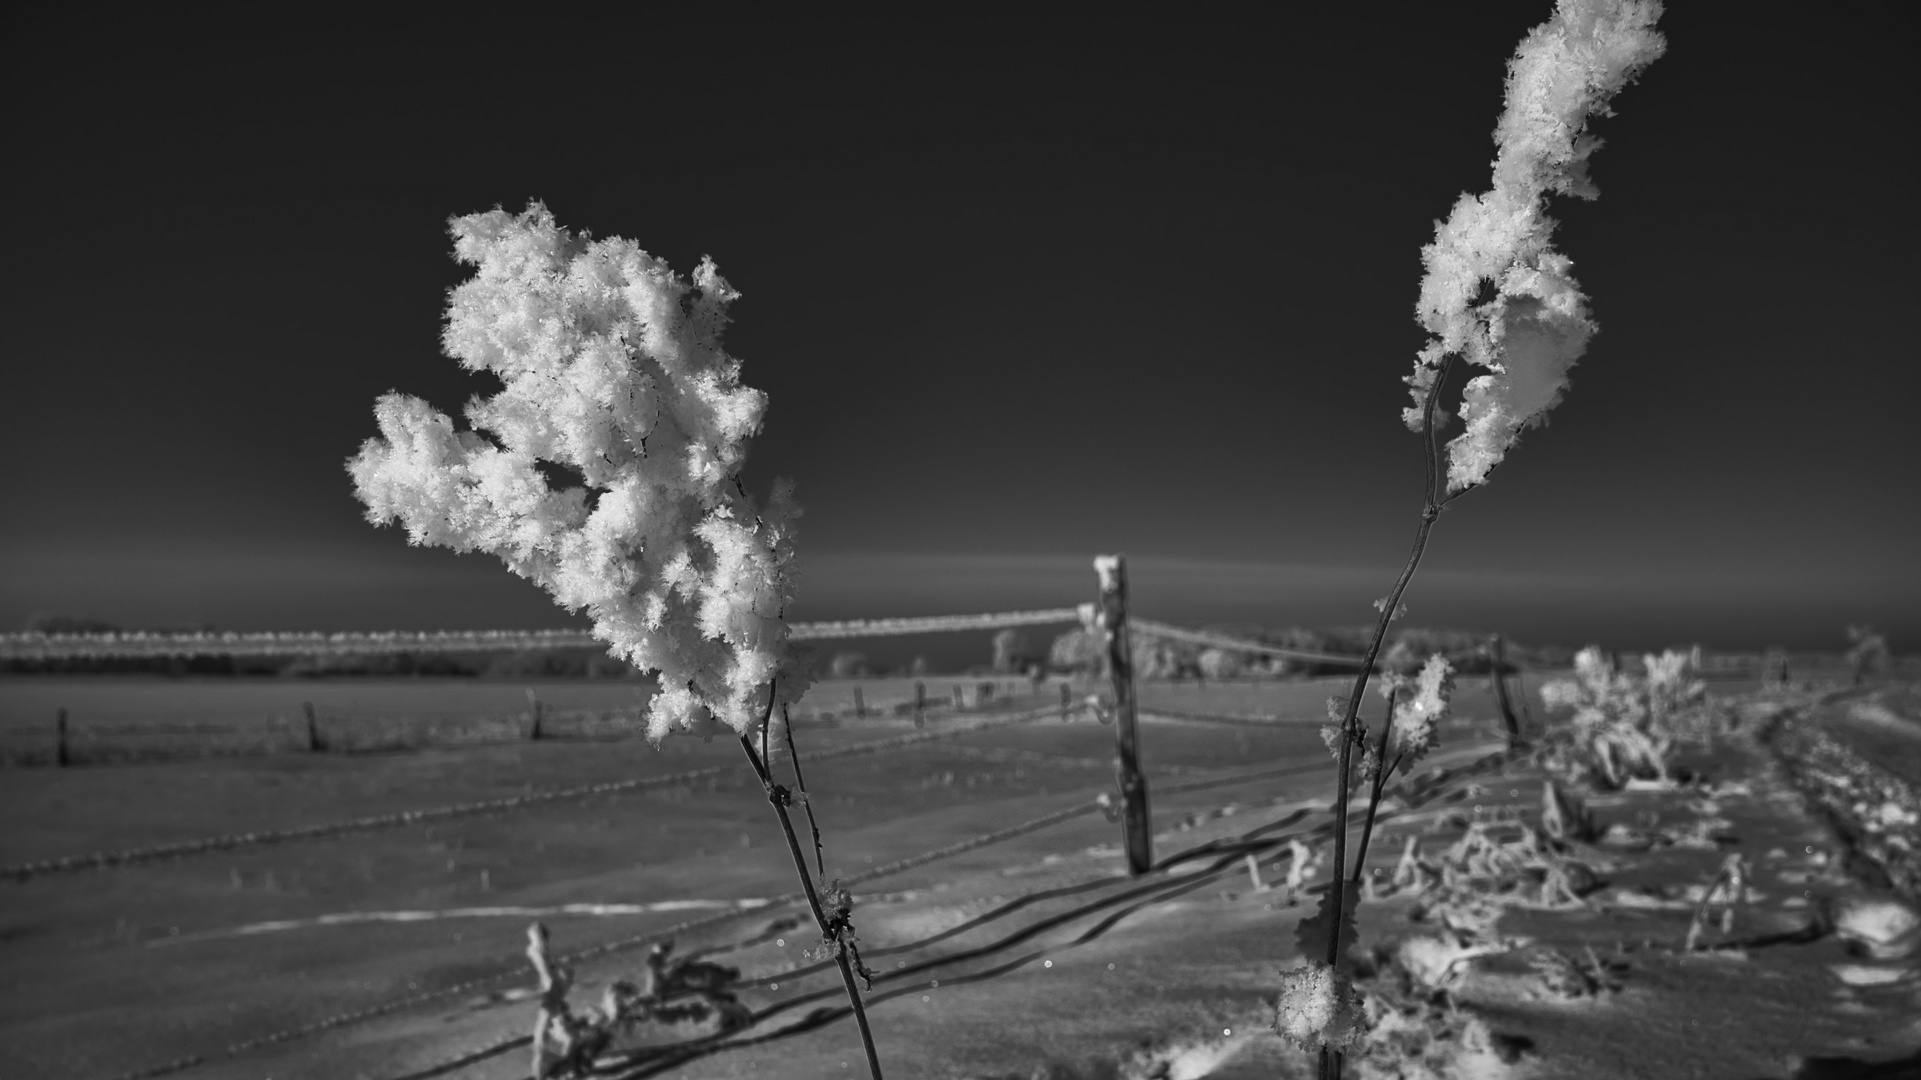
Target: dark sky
(1023, 289)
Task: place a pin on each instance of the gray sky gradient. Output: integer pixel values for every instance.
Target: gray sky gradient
(1021, 293)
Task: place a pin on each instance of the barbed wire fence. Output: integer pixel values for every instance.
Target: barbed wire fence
(345, 729)
(70, 739)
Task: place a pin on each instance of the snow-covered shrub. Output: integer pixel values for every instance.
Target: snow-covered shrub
(1868, 652)
(1622, 727)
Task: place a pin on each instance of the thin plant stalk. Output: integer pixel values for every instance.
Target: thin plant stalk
(1331, 1059)
(778, 796)
(793, 755)
(1382, 772)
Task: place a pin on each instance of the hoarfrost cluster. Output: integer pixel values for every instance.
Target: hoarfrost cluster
(1320, 1006)
(613, 369)
(1599, 694)
(1536, 324)
(1421, 705)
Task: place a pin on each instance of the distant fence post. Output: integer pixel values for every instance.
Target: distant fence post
(314, 743)
(60, 757)
(1137, 834)
(1774, 668)
(1497, 671)
(920, 704)
(960, 701)
(1066, 696)
(860, 705)
(533, 700)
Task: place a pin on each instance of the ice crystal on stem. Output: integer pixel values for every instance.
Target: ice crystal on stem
(1418, 716)
(1320, 1007)
(1336, 724)
(1498, 295)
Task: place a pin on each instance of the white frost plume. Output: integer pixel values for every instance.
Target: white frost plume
(1536, 324)
(613, 372)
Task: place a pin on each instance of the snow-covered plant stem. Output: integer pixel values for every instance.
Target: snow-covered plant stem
(1350, 735)
(833, 931)
(1497, 295)
(613, 373)
(1379, 784)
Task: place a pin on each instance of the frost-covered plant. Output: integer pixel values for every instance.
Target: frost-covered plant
(1723, 895)
(613, 372)
(1528, 869)
(1497, 294)
(1597, 692)
(1670, 685)
(1417, 706)
(1496, 864)
(677, 990)
(1431, 1040)
(1319, 1007)
(1077, 652)
(1568, 977)
(1536, 324)
(1565, 815)
(1432, 963)
(1420, 705)
(1868, 652)
(1605, 738)
(1302, 861)
(1622, 727)
(1416, 1031)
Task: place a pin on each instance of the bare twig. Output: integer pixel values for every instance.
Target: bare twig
(1382, 770)
(793, 755)
(1724, 894)
(832, 930)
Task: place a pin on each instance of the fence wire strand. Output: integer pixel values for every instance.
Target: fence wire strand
(259, 838)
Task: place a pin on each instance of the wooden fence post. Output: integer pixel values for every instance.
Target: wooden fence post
(920, 704)
(1497, 671)
(860, 705)
(1066, 695)
(1137, 833)
(314, 743)
(60, 757)
(533, 734)
(1774, 668)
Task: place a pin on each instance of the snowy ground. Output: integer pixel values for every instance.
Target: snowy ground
(1046, 954)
